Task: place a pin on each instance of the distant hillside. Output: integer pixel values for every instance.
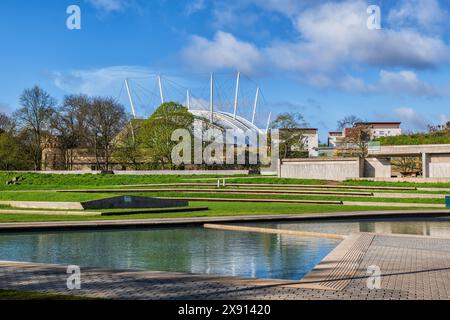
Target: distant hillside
(441, 137)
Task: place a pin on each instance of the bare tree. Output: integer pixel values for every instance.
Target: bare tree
(70, 126)
(356, 142)
(407, 165)
(348, 122)
(106, 118)
(6, 124)
(37, 108)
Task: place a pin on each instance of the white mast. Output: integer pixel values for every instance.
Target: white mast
(211, 99)
(268, 122)
(188, 100)
(130, 98)
(236, 98)
(255, 105)
(160, 89)
(132, 107)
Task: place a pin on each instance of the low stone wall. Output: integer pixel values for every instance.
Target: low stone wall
(407, 179)
(183, 172)
(143, 173)
(323, 169)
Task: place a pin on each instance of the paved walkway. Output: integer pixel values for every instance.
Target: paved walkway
(412, 267)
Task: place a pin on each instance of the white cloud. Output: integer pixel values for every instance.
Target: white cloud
(443, 119)
(109, 5)
(104, 81)
(401, 82)
(224, 51)
(195, 6)
(425, 14)
(412, 119)
(334, 34)
(333, 40)
(404, 82)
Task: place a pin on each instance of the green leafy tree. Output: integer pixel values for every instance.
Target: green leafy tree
(129, 151)
(14, 154)
(156, 132)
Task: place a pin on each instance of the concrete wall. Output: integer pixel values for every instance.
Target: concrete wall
(436, 165)
(439, 170)
(377, 168)
(326, 169)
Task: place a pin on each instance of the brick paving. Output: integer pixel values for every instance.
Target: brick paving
(412, 267)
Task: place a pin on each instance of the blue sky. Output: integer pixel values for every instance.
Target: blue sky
(313, 57)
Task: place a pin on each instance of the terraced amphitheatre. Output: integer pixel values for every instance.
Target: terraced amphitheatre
(29, 198)
(225, 237)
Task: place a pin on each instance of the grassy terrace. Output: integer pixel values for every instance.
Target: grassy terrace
(41, 187)
(77, 197)
(395, 184)
(35, 181)
(216, 209)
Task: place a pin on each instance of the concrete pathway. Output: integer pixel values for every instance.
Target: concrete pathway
(411, 267)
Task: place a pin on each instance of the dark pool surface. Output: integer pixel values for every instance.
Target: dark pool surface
(197, 250)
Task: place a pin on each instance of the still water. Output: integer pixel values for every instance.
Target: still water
(197, 250)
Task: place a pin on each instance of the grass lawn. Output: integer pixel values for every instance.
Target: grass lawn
(216, 209)
(76, 197)
(395, 184)
(38, 187)
(35, 181)
(26, 295)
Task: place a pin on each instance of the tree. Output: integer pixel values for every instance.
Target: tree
(156, 132)
(70, 126)
(129, 151)
(407, 165)
(356, 142)
(293, 139)
(6, 124)
(37, 109)
(348, 122)
(13, 153)
(105, 118)
(440, 128)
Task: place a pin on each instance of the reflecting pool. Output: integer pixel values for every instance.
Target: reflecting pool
(196, 250)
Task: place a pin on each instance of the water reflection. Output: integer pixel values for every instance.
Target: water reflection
(178, 249)
(436, 227)
(204, 251)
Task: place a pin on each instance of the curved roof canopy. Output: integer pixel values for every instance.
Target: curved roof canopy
(226, 120)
